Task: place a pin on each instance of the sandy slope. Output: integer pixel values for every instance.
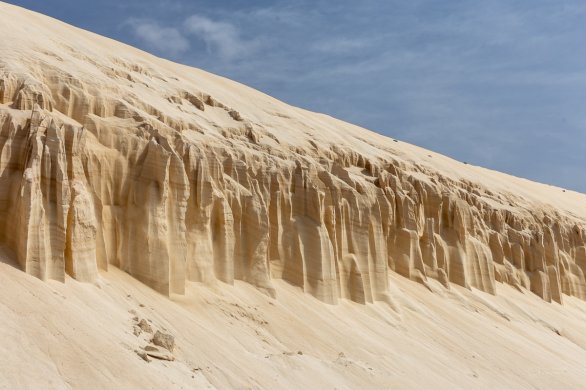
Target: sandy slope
(77, 335)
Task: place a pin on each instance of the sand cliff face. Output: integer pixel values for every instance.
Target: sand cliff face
(109, 156)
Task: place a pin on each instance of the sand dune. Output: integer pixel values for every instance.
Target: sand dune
(165, 227)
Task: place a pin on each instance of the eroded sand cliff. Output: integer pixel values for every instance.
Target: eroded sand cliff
(110, 156)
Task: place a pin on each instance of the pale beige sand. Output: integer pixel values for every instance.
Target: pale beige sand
(77, 335)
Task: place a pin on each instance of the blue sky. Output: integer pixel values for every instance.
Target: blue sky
(499, 83)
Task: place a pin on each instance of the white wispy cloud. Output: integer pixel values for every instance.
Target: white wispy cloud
(220, 37)
(167, 40)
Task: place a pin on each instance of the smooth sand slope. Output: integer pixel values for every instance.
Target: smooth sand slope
(77, 335)
(281, 248)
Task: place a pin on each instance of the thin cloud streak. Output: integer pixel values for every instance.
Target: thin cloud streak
(166, 40)
(220, 37)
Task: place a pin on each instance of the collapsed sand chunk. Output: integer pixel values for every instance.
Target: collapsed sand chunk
(143, 355)
(145, 326)
(158, 353)
(164, 340)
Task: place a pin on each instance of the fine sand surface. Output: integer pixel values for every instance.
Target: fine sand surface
(77, 335)
(280, 248)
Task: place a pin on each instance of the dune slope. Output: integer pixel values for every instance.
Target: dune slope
(79, 335)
